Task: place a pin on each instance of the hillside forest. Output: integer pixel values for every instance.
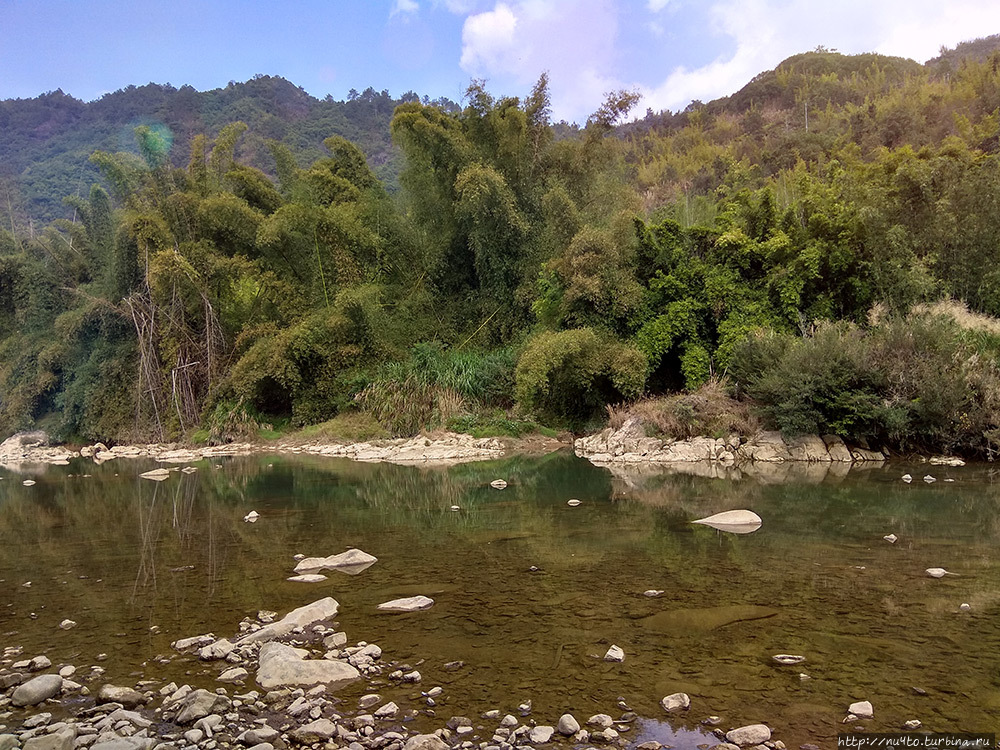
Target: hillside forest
(817, 253)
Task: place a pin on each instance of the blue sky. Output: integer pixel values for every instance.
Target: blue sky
(671, 51)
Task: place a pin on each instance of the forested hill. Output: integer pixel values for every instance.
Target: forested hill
(818, 253)
(46, 142)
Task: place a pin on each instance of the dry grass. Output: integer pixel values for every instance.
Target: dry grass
(961, 314)
(708, 411)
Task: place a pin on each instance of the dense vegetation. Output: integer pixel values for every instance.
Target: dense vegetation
(825, 244)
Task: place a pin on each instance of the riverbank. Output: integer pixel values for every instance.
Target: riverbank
(440, 448)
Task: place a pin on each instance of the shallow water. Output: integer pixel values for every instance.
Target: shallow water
(139, 564)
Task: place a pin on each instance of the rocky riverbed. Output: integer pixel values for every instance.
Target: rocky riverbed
(277, 687)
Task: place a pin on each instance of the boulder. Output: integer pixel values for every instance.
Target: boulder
(37, 689)
(425, 742)
(353, 560)
(61, 739)
(127, 697)
(568, 725)
(540, 735)
(409, 604)
(323, 609)
(215, 651)
(752, 734)
(837, 449)
(733, 521)
(808, 448)
(862, 709)
(676, 702)
(284, 665)
(315, 731)
(8, 741)
(200, 703)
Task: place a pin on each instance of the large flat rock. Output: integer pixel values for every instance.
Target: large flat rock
(322, 609)
(282, 665)
(352, 562)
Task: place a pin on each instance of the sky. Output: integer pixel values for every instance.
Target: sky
(670, 51)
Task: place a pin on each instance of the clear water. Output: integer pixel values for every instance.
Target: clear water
(139, 564)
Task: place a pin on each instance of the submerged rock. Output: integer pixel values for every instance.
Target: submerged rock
(409, 604)
(702, 620)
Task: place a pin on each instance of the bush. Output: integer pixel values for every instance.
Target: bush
(710, 410)
(571, 375)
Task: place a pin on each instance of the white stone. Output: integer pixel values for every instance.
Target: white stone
(752, 734)
(308, 578)
(157, 475)
(322, 609)
(251, 517)
(733, 521)
(615, 653)
(573, 503)
(891, 538)
(788, 659)
(600, 720)
(912, 724)
(965, 607)
(568, 725)
(498, 484)
(408, 604)
(651, 593)
(67, 624)
(675, 702)
(938, 572)
(352, 558)
(284, 665)
(540, 735)
(862, 709)
(906, 478)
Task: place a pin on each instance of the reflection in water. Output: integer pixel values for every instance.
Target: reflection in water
(529, 592)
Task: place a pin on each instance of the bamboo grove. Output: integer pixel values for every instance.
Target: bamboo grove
(840, 276)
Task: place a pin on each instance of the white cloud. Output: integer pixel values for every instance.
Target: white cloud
(657, 5)
(404, 6)
(572, 40)
(488, 41)
(764, 32)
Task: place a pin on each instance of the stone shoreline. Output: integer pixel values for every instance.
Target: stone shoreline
(446, 448)
(301, 661)
(629, 445)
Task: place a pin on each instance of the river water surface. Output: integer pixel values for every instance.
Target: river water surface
(530, 592)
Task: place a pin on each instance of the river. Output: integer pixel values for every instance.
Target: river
(530, 592)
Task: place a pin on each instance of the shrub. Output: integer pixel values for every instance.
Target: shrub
(571, 375)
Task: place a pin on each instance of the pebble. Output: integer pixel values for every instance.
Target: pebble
(891, 538)
(67, 624)
(573, 503)
(615, 653)
(912, 724)
(676, 702)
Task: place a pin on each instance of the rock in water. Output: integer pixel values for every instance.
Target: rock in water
(862, 709)
(28, 482)
(308, 578)
(37, 689)
(425, 742)
(251, 517)
(498, 484)
(907, 478)
(157, 475)
(752, 734)
(733, 521)
(788, 659)
(573, 503)
(283, 665)
(891, 538)
(938, 572)
(652, 593)
(615, 653)
(540, 735)
(676, 702)
(409, 604)
(352, 561)
(965, 607)
(568, 725)
(67, 624)
(322, 609)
